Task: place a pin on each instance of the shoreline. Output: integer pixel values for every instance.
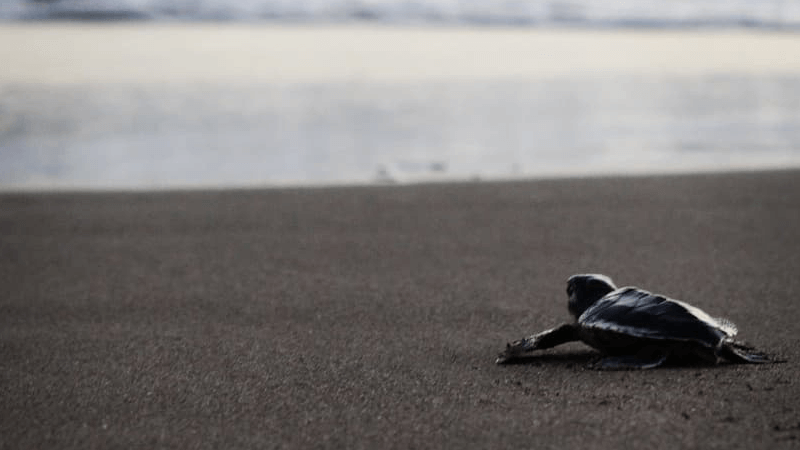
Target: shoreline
(76, 189)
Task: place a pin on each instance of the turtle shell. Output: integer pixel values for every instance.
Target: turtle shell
(636, 313)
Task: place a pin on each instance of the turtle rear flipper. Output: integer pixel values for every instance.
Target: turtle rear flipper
(743, 353)
(630, 362)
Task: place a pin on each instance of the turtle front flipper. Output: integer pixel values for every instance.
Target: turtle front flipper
(546, 339)
(630, 362)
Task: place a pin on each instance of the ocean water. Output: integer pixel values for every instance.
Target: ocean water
(134, 133)
(582, 13)
(85, 136)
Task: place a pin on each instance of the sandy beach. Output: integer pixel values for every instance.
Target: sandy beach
(235, 53)
(370, 317)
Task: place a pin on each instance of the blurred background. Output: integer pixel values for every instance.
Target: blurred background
(143, 94)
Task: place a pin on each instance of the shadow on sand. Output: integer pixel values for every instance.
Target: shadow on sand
(588, 357)
(567, 359)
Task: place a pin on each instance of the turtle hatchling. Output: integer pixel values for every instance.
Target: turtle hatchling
(636, 329)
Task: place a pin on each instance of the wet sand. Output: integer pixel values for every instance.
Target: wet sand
(370, 317)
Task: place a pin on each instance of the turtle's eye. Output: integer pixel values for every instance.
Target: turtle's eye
(569, 289)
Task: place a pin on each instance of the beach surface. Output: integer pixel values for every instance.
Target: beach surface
(370, 317)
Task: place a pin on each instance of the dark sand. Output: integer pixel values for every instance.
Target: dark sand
(370, 317)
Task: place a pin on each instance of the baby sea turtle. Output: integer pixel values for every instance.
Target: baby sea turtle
(636, 329)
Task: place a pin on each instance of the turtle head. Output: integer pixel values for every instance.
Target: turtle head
(585, 289)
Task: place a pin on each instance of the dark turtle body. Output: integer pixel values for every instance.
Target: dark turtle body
(636, 329)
